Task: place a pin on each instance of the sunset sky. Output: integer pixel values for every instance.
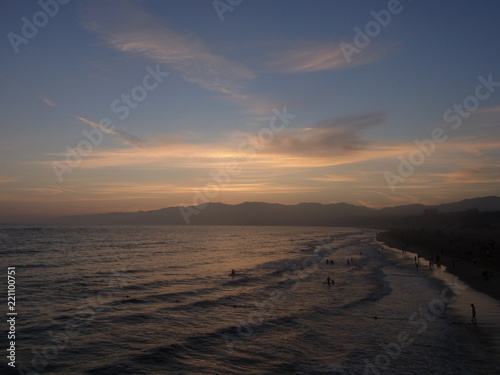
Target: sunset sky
(137, 105)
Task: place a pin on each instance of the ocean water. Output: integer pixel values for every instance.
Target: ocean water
(162, 300)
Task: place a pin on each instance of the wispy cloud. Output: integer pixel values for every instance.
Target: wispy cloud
(332, 142)
(129, 29)
(335, 178)
(331, 137)
(138, 190)
(334, 153)
(315, 57)
(49, 102)
(134, 190)
(124, 136)
(495, 110)
(44, 191)
(6, 180)
(485, 174)
(257, 106)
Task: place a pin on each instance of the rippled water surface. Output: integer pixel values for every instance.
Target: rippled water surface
(162, 300)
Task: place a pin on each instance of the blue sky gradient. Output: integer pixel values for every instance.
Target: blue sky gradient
(352, 118)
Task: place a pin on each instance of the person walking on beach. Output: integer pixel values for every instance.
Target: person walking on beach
(473, 320)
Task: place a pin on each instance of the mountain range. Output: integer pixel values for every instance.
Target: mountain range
(259, 213)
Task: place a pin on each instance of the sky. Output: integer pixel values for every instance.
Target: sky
(119, 105)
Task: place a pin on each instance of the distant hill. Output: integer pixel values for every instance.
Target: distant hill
(259, 213)
(481, 204)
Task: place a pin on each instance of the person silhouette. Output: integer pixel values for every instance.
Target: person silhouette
(473, 319)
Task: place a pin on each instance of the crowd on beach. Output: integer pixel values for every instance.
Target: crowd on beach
(449, 248)
(473, 255)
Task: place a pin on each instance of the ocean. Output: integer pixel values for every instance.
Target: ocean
(163, 300)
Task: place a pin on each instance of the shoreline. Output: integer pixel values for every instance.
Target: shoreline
(467, 256)
(478, 345)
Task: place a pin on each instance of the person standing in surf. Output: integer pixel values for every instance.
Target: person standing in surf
(473, 319)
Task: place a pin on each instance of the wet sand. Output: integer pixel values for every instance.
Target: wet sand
(479, 344)
(467, 254)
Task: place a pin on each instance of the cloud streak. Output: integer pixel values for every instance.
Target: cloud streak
(320, 57)
(486, 174)
(49, 102)
(124, 136)
(331, 142)
(7, 180)
(146, 36)
(331, 137)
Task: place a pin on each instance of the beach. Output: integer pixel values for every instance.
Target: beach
(466, 253)
(478, 344)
